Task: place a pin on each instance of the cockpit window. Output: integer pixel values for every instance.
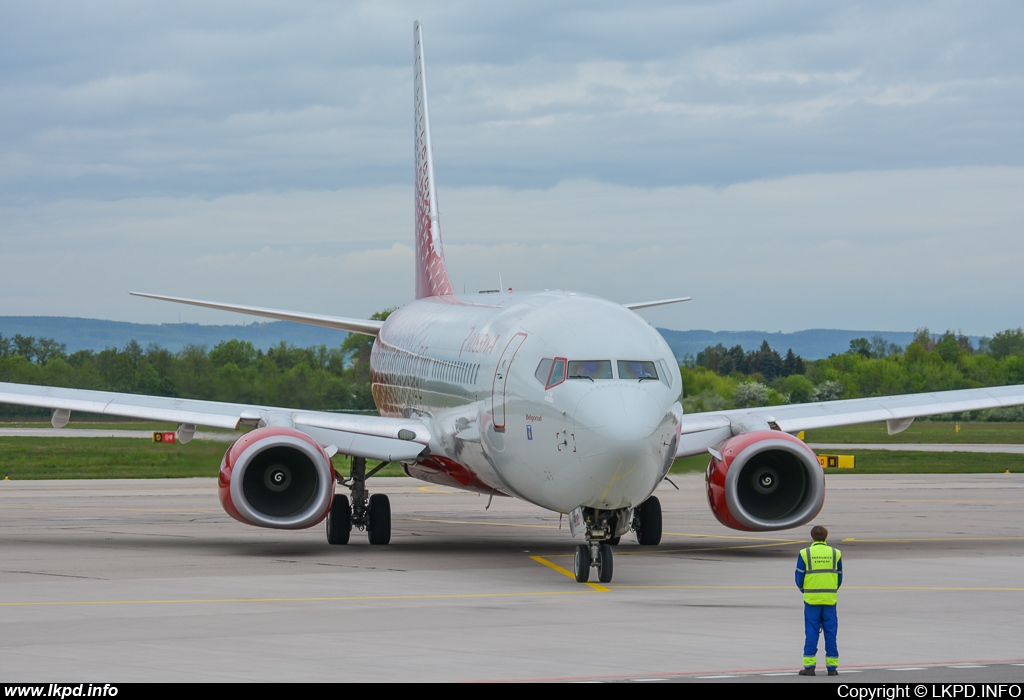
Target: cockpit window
(637, 369)
(550, 371)
(590, 369)
(557, 372)
(543, 370)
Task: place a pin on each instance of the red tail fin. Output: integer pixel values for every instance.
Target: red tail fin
(431, 273)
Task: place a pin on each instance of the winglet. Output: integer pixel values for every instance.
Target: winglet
(431, 273)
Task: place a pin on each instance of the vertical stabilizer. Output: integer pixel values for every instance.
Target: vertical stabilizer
(431, 273)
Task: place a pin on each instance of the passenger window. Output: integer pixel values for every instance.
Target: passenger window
(637, 369)
(590, 369)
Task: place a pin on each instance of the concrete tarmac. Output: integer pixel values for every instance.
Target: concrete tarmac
(149, 580)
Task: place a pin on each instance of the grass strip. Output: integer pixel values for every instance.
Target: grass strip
(24, 458)
(883, 462)
(925, 432)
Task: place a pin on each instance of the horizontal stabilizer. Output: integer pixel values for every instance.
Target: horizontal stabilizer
(352, 325)
(660, 302)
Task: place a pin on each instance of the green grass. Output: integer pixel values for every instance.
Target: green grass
(924, 432)
(109, 424)
(106, 458)
(878, 462)
(118, 458)
(25, 458)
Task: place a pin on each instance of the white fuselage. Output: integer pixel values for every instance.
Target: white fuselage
(491, 373)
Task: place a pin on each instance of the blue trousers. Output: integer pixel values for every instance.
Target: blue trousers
(818, 618)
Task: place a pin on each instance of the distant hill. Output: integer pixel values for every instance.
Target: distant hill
(811, 345)
(93, 334)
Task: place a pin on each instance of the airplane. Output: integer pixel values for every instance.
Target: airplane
(565, 400)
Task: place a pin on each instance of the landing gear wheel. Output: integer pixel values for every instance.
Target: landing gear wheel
(379, 526)
(581, 565)
(604, 564)
(339, 521)
(648, 525)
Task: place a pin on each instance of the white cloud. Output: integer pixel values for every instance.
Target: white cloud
(889, 250)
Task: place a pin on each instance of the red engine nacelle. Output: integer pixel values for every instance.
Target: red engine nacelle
(276, 477)
(765, 480)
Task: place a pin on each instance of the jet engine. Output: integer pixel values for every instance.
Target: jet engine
(276, 477)
(765, 480)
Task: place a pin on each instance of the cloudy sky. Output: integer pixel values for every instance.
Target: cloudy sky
(790, 165)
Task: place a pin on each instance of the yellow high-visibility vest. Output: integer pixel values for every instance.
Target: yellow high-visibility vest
(821, 580)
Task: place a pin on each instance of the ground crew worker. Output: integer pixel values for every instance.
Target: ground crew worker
(819, 574)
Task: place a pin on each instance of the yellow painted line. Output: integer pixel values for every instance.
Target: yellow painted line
(936, 588)
(935, 539)
(756, 538)
(658, 551)
(844, 588)
(437, 489)
(339, 599)
(715, 588)
(480, 522)
(95, 509)
(551, 565)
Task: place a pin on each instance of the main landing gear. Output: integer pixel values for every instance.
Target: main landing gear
(604, 531)
(366, 512)
(647, 521)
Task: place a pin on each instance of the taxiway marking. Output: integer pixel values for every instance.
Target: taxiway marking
(311, 599)
(551, 565)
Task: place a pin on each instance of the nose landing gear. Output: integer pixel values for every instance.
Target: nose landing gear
(603, 530)
(593, 555)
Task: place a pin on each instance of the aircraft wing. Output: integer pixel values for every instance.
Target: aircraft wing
(387, 439)
(700, 431)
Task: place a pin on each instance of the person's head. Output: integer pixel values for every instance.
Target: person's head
(819, 533)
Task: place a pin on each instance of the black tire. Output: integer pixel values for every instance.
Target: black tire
(605, 565)
(339, 521)
(614, 540)
(581, 564)
(648, 516)
(379, 526)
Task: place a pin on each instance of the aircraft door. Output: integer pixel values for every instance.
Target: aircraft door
(500, 380)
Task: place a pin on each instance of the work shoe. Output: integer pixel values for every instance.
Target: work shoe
(833, 671)
(806, 671)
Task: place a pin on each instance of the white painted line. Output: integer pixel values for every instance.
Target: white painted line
(969, 666)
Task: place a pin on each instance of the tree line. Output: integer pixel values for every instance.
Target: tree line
(720, 378)
(319, 378)
(338, 378)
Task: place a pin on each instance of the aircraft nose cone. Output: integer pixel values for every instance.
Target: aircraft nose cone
(622, 440)
(623, 414)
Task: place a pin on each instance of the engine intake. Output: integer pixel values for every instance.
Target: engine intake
(278, 478)
(765, 480)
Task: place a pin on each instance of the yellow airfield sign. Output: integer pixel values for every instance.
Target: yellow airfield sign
(836, 461)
